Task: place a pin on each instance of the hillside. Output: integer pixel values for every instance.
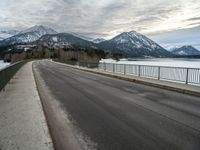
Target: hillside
(126, 44)
(186, 50)
(133, 44)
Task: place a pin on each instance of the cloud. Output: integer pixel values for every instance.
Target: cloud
(180, 37)
(102, 18)
(192, 19)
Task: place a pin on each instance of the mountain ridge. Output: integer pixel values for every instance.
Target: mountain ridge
(128, 44)
(135, 45)
(98, 40)
(64, 40)
(29, 35)
(186, 50)
(4, 34)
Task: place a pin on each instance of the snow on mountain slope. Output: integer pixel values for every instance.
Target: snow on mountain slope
(137, 40)
(186, 50)
(171, 48)
(134, 44)
(29, 35)
(98, 40)
(130, 44)
(64, 40)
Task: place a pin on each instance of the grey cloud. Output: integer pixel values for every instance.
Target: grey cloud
(194, 24)
(192, 19)
(103, 18)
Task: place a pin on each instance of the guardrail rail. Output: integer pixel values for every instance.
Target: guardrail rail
(7, 73)
(79, 63)
(175, 74)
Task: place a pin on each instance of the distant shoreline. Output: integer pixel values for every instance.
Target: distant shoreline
(168, 62)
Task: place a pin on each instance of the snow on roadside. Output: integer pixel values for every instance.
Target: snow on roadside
(3, 65)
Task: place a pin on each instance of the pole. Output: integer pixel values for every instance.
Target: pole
(124, 69)
(139, 68)
(186, 81)
(158, 72)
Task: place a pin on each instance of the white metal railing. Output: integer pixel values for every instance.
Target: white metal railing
(175, 74)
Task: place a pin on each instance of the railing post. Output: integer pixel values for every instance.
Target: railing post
(158, 72)
(104, 66)
(186, 81)
(124, 69)
(113, 67)
(4, 80)
(98, 68)
(139, 69)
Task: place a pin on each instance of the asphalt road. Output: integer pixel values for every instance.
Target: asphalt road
(121, 115)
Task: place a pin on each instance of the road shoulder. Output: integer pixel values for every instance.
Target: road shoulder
(64, 134)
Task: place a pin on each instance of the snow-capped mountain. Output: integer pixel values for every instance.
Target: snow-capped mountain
(29, 35)
(130, 44)
(171, 48)
(99, 40)
(4, 34)
(186, 50)
(134, 44)
(64, 40)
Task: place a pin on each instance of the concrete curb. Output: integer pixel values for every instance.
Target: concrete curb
(163, 84)
(60, 131)
(43, 106)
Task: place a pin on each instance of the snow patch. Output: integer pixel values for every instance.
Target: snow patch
(55, 39)
(3, 64)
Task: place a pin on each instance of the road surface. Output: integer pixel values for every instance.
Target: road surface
(122, 115)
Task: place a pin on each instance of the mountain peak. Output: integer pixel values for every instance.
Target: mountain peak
(98, 40)
(29, 35)
(188, 46)
(186, 50)
(132, 35)
(64, 40)
(137, 40)
(133, 32)
(39, 28)
(134, 44)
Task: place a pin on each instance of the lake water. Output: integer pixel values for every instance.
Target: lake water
(188, 63)
(3, 65)
(148, 69)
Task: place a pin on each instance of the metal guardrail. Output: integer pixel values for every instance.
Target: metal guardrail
(79, 63)
(7, 73)
(175, 74)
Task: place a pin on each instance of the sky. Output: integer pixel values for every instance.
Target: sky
(168, 22)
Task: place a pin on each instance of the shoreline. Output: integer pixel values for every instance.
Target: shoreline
(187, 63)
